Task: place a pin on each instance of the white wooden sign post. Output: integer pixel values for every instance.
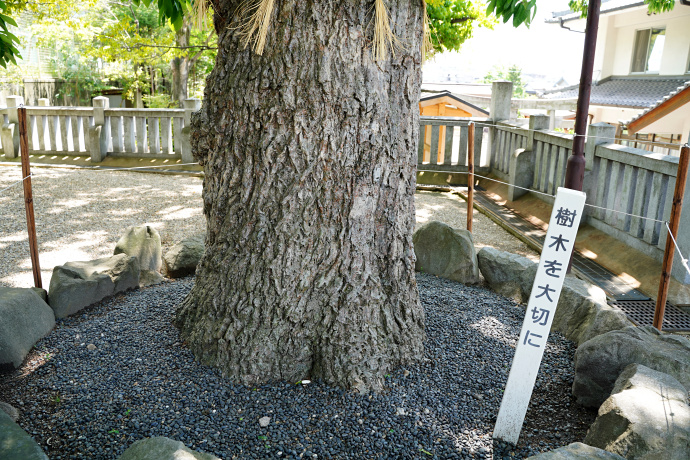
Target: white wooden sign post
(548, 283)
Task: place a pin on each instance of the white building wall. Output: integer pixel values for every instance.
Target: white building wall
(612, 115)
(619, 34)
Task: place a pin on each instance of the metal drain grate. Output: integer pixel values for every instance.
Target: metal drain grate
(641, 312)
(613, 285)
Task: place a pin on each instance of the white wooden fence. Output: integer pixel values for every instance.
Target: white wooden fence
(99, 131)
(629, 190)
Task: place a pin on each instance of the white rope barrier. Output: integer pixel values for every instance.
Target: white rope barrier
(76, 169)
(547, 194)
(15, 183)
(683, 260)
(519, 128)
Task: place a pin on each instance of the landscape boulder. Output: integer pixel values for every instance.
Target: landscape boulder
(162, 448)
(42, 293)
(16, 443)
(183, 257)
(144, 243)
(10, 410)
(24, 319)
(646, 417)
(577, 451)
(76, 285)
(582, 311)
(510, 275)
(446, 252)
(601, 360)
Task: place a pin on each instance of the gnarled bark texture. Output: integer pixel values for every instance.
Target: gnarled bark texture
(310, 155)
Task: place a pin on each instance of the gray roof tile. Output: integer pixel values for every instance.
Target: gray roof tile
(677, 91)
(631, 92)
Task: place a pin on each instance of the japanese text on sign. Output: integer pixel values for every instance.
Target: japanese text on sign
(548, 282)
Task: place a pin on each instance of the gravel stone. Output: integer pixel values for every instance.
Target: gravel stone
(141, 380)
(81, 214)
(94, 404)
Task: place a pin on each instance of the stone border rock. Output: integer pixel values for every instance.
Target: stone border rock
(15, 443)
(582, 312)
(76, 285)
(584, 316)
(25, 318)
(600, 361)
(446, 252)
(162, 448)
(183, 257)
(646, 416)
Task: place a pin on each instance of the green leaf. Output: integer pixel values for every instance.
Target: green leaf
(8, 20)
(177, 25)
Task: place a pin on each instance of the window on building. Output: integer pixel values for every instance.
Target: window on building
(649, 44)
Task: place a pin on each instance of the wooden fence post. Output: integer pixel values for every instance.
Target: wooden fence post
(669, 251)
(28, 195)
(470, 175)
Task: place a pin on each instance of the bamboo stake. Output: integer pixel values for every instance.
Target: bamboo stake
(470, 175)
(667, 264)
(28, 196)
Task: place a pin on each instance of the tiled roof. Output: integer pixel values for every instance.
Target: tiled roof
(677, 91)
(625, 91)
(607, 6)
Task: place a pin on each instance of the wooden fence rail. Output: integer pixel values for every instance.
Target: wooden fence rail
(630, 189)
(100, 131)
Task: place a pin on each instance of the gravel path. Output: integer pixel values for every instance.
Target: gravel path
(137, 380)
(79, 402)
(80, 215)
(449, 208)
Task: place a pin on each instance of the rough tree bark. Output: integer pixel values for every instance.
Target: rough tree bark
(309, 153)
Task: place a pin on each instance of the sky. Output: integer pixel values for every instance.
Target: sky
(544, 49)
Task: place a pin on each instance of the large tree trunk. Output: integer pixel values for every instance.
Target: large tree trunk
(309, 153)
(179, 66)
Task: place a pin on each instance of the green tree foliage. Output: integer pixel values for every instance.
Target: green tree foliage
(653, 6)
(512, 73)
(521, 11)
(452, 22)
(172, 10)
(8, 41)
(99, 41)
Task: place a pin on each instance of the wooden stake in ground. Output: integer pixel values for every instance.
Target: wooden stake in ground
(667, 264)
(28, 195)
(470, 175)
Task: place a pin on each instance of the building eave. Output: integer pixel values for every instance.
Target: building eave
(567, 16)
(665, 107)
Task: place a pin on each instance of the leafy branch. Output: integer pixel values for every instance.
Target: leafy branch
(8, 41)
(653, 6)
(202, 47)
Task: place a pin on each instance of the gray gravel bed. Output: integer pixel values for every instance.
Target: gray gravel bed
(139, 381)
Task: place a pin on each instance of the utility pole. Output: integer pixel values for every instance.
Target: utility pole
(575, 169)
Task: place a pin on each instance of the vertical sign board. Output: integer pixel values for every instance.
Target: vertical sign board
(553, 264)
